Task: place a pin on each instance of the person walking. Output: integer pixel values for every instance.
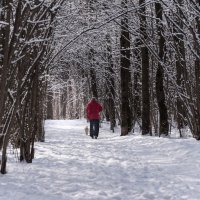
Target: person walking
(93, 109)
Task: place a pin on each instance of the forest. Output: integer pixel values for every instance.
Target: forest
(139, 58)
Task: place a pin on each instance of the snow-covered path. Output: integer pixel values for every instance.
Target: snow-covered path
(72, 166)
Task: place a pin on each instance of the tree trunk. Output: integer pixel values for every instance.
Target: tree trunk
(93, 83)
(111, 85)
(2, 36)
(180, 66)
(197, 74)
(6, 133)
(5, 34)
(136, 85)
(50, 105)
(64, 103)
(125, 72)
(145, 70)
(160, 94)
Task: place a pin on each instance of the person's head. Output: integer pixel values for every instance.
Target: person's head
(93, 98)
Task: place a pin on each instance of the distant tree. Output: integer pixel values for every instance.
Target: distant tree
(111, 85)
(49, 105)
(136, 82)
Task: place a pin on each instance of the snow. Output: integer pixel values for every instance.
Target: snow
(70, 165)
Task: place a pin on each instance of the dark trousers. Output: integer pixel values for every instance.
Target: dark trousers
(94, 128)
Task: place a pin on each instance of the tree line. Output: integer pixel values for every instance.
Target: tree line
(26, 30)
(142, 62)
(139, 58)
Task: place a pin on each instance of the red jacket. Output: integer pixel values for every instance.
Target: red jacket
(93, 108)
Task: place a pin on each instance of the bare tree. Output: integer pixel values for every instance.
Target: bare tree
(145, 69)
(160, 94)
(181, 68)
(26, 42)
(125, 72)
(110, 85)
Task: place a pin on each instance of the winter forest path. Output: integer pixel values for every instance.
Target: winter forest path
(71, 166)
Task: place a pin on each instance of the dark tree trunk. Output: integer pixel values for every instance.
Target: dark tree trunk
(93, 80)
(5, 60)
(7, 54)
(41, 116)
(50, 105)
(2, 36)
(197, 75)
(160, 94)
(7, 132)
(93, 83)
(125, 73)
(136, 86)
(70, 98)
(145, 70)
(180, 66)
(111, 86)
(64, 103)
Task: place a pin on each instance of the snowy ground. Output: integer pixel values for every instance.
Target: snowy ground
(71, 166)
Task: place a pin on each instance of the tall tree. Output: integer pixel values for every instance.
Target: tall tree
(5, 34)
(197, 70)
(181, 74)
(1, 33)
(145, 69)
(110, 85)
(125, 71)
(137, 81)
(160, 94)
(93, 74)
(22, 70)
